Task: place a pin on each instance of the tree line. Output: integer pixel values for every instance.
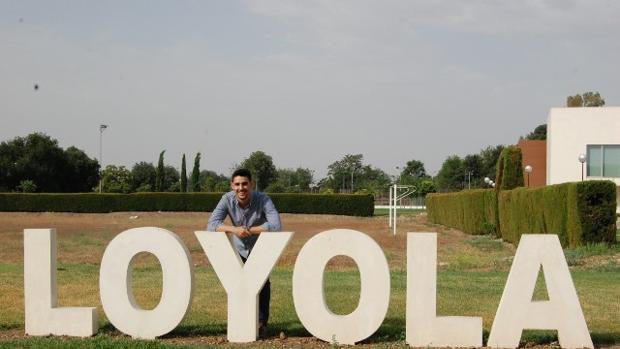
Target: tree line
(36, 163)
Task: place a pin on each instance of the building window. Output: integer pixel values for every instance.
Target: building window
(604, 161)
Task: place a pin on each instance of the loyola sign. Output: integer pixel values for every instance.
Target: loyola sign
(242, 282)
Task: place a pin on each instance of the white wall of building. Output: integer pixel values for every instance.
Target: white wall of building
(570, 131)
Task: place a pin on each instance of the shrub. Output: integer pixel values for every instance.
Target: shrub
(509, 169)
(472, 211)
(354, 205)
(579, 213)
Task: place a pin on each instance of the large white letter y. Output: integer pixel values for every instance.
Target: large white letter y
(243, 282)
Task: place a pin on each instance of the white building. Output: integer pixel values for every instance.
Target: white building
(593, 132)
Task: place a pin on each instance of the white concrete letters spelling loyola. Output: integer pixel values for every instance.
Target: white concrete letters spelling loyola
(308, 287)
(42, 316)
(115, 282)
(517, 311)
(243, 282)
(424, 327)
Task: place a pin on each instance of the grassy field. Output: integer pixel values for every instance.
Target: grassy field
(401, 211)
(472, 274)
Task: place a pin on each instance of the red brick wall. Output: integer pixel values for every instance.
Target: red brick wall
(535, 154)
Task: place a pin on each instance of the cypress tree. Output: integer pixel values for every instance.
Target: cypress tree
(159, 175)
(183, 175)
(509, 169)
(195, 178)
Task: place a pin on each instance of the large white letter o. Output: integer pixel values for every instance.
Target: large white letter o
(308, 287)
(115, 282)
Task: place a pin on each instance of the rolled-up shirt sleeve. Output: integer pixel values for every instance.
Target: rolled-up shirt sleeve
(272, 216)
(218, 215)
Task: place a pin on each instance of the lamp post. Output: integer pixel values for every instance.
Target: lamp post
(353, 169)
(101, 129)
(488, 181)
(468, 174)
(582, 159)
(528, 170)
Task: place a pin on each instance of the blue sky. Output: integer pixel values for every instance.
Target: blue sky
(305, 81)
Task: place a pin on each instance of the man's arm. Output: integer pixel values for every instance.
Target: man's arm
(216, 221)
(272, 216)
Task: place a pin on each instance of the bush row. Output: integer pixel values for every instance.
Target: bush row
(353, 205)
(579, 213)
(472, 211)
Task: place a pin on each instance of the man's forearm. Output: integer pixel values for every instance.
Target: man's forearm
(241, 231)
(227, 229)
(257, 230)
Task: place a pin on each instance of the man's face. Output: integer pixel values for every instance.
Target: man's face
(242, 186)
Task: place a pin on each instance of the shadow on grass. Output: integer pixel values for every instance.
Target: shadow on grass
(6, 327)
(290, 329)
(392, 330)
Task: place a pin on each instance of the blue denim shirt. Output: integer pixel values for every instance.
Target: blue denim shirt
(260, 212)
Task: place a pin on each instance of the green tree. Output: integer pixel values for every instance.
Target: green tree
(172, 179)
(586, 99)
(213, 182)
(510, 169)
(291, 181)
(342, 172)
(262, 168)
(489, 156)
(425, 186)
(450, 176)
(413, 174)
(183, 175)
(160, 175)
(371, 179)
(195, 176)
(82, 174)
(304, 178)
(37, 157)
(116, 179)
(414, 169)
(473, 168)
(539, 133)
(27, 186)
(143, 176)
(575, 101)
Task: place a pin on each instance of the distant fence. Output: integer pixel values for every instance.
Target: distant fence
(418, 201)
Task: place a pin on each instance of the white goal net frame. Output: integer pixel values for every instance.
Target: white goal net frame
(397, 193)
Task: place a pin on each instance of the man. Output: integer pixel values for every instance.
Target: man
(251, 213)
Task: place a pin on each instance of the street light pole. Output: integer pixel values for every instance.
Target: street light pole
(101, 129)
(353, 169)
(582, 159)
(528, 170)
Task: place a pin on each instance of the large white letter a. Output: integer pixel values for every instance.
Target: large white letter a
(517, 311)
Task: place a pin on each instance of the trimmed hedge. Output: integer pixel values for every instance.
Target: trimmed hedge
(472, 211)
(509, 169)
(579, 213)
(353, 205)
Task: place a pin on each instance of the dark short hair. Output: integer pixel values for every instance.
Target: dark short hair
(241, 172)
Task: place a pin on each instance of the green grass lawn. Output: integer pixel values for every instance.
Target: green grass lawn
(459, 293)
